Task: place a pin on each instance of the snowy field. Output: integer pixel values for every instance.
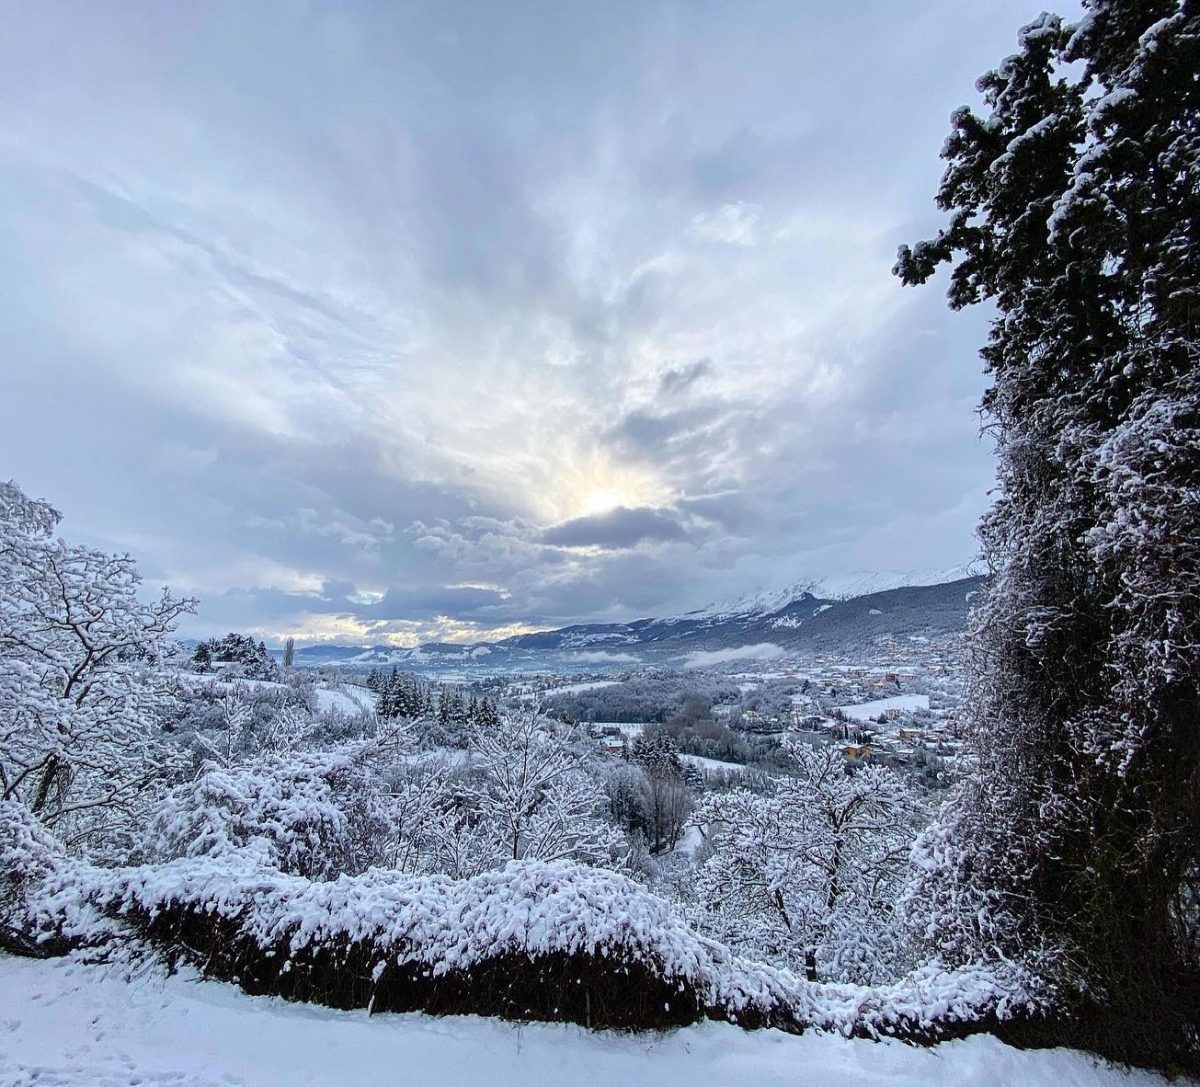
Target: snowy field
(66, 1025)
(705, 763)
(864, 711)
(347, 700)
(579, 688)
(350, 701)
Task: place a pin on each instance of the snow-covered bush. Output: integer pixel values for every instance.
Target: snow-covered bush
(29, 855)
(540, 940)
(534, 940)
(316, 814)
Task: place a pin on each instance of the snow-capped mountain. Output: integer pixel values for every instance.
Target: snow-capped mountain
(794, 620)
(835, 587)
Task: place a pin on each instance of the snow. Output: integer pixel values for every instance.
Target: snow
(712, 764)
(864, 711)
(70, 1025)
(348, 700)
(224, 684)
(844, 586)
(579, 688)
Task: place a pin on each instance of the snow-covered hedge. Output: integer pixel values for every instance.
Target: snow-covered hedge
(44, 898)
(537, 940)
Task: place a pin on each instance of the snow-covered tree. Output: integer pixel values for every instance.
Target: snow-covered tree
(452, 726)
(236, 655)
(225, 747)
(664, 800)
(82, 690)
(1074, 206)
(810, 874)
(533, 797)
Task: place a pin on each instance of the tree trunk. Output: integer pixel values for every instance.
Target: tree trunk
(47, 779)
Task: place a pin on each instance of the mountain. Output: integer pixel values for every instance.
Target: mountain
(838, 587)
(796, 620)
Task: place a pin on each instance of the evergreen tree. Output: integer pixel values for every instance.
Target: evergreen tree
(387, 705)
(239, 655)
(1075, 208)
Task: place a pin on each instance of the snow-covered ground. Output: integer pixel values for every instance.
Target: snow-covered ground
(223, 684)
(348, 700)
(69, 1025)
(705, 763)
(864, 711)
(579, 688)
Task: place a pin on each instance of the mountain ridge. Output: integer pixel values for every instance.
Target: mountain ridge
(804, 622)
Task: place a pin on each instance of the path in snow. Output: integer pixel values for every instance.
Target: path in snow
(68, 1025)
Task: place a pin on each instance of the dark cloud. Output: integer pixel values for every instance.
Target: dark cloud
(618, 528)
(679, 379)
(645, 433)
(427, 601)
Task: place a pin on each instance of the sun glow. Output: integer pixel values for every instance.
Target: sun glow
(591, 485)
(601, 501)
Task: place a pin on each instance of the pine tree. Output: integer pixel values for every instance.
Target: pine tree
(1075, 208)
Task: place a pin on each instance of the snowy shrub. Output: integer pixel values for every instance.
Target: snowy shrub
(44, 906)
(535, 940)
(28, 856)
(555, 941)
(316, 814)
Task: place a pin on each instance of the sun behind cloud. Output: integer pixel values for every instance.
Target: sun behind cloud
(601, 501)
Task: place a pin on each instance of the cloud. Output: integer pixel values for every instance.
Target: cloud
(732, 224)
(678, 379)
(369, 312)
(764, 651)
(618, 528)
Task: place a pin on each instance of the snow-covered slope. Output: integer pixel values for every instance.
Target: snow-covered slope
(835, 587)
(69, 1025)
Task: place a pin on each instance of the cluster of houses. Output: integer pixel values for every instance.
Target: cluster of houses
(872, 712)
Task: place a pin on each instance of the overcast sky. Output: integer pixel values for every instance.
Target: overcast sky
(396, 322)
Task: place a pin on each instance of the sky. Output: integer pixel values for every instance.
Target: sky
(404, 322)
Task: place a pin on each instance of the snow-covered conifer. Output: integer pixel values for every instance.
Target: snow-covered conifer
(1074, 206)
